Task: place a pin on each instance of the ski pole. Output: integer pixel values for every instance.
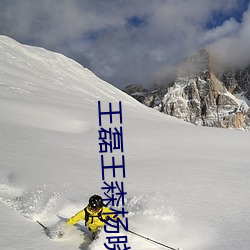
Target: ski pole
(45, 228)
(159, 243)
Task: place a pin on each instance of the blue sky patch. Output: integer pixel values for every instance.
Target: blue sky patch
(136, 21)
(219, 17)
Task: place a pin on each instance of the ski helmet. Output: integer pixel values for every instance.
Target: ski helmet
(95, 202)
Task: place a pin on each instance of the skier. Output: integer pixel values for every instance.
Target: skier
(94, 215)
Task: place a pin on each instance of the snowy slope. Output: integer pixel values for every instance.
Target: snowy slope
(186, 186)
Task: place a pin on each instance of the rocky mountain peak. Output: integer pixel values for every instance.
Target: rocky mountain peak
(200, 96)
(196, 64)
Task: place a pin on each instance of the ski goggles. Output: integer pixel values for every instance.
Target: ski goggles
(94, 208)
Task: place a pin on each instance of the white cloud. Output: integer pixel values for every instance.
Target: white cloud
(228, 28)
(97, 32)
(233, 50)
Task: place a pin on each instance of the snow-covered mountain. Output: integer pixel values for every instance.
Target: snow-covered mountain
(187, 186)
(201, 95)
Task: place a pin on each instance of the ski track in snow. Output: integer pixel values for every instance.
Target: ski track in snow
(43, 116)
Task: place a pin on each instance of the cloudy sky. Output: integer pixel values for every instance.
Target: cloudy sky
(131, 41)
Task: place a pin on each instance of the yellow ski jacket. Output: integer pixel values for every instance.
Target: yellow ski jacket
(94, 223)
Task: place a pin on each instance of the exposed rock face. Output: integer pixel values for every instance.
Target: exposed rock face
(199, 97)
(137, 91)
(237, 81)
